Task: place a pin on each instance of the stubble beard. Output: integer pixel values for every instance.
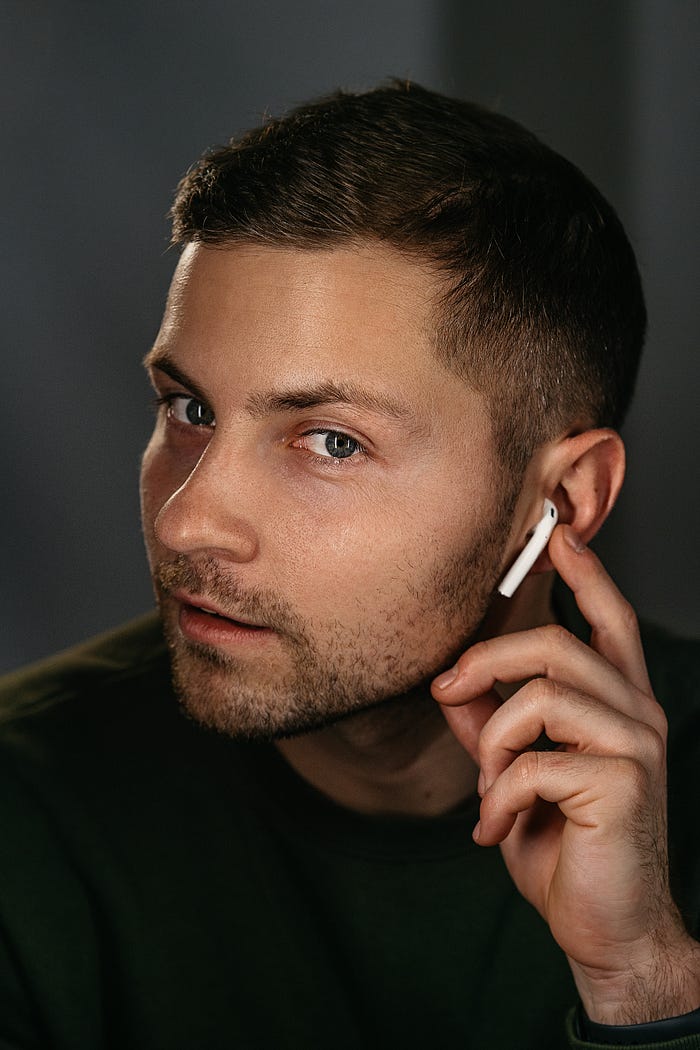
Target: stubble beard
(320, 673)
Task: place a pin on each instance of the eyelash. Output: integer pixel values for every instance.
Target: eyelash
(325, 461)
(168, 400)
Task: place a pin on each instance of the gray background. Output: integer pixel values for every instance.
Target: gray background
(105, 105)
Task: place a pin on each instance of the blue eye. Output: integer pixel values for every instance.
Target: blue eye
(188, 410)
(333, 443)
(340, 445)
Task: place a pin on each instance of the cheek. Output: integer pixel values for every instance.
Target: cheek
(160, 478)
(362, 551)
(165, 467)
(148, 497)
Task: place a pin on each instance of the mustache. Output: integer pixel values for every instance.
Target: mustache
(206, 579)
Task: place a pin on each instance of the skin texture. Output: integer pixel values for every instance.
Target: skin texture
(247, 511)
(366, 575)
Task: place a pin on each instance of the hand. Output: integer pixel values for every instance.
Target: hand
(582, 828)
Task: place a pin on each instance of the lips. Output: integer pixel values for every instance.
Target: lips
(202, 621)
(226, 619)
(201, 605)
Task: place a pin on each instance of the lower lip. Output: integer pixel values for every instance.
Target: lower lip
(199, 626)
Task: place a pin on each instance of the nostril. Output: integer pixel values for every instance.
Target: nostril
(189, 523)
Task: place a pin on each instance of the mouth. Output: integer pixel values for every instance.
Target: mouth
(202, 621)
(199, 605)
(223, 617)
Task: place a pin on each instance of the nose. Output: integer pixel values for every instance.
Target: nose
(211, 511)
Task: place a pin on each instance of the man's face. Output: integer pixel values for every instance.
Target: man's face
(317, 478)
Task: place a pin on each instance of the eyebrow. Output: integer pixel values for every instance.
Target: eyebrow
(327, 392)
(161, 359)
(311, 395)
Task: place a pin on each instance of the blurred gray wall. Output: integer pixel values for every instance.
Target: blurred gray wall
(105, 105)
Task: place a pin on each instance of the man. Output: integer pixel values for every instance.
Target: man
(398, 325)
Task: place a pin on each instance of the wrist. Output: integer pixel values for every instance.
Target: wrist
(654, 985)
(672, 1028)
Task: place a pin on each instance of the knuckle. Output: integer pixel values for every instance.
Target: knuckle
(527, 766)
(654, 747)
(538, 692)
(634, 778)
(557, 638)
(628, 617)
(659, 722)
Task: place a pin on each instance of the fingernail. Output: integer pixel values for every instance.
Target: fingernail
(481, 785)
(574, 540)
(476, 833)
(443, 680)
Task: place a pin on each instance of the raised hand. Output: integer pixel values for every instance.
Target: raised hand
(581, 823)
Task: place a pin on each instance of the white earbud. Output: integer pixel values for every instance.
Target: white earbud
(531, 552)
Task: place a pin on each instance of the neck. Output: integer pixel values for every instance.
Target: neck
(400, 758)
(397, 758)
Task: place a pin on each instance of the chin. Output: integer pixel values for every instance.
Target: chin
(218, 694)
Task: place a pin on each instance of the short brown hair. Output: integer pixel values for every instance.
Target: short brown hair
(542, 310)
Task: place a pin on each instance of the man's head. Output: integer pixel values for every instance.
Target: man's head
(387, 307)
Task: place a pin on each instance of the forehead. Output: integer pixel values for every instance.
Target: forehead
(256, 318)
(340, 297)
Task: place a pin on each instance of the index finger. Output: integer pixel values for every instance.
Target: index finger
(615, 630)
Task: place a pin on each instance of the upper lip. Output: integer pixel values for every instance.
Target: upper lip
(200, 602)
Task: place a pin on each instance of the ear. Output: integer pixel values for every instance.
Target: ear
(589, 469)
(582, 475)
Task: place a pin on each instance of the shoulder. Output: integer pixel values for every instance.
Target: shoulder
(80, 729)
(122, 658)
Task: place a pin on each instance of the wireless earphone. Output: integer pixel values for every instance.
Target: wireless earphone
(530, 553)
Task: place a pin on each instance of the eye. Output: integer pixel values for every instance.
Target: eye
(332, 443)
(187, 410)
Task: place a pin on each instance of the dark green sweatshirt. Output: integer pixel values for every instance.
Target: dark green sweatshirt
(164, 887)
